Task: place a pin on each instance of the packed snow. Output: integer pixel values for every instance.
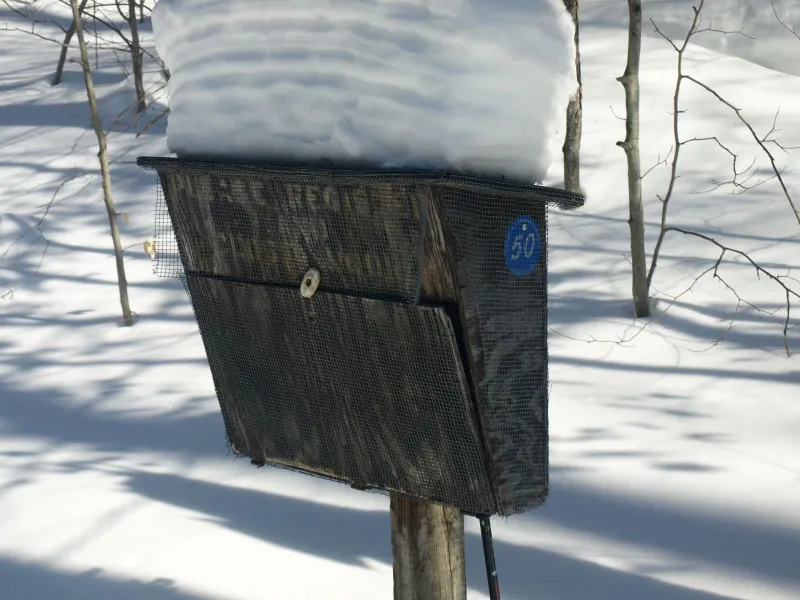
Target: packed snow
(476, 86)
(675, 455)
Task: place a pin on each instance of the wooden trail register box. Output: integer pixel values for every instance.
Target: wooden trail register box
(387, 329)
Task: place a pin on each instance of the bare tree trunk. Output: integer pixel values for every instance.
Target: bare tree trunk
(105, 168)
(136, 57)
(428, 550)
(141, 11)
(630, 81)
(572, 140)
(95, 36)
(62, 59)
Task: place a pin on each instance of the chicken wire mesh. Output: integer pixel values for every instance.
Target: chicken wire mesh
(420, 364)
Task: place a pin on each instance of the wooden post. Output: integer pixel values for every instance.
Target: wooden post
(427, 538)
(428, 551)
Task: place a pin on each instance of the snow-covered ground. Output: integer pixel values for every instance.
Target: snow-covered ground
(675, 462)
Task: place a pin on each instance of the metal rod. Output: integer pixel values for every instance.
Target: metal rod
(488, 555)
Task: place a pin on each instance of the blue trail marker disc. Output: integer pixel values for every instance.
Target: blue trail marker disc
(523, 247)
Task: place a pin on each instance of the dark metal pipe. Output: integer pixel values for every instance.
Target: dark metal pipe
(488, 555)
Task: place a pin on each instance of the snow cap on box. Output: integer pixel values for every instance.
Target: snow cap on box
(474, 86)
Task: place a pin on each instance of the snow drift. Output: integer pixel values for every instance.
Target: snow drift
(476, 86)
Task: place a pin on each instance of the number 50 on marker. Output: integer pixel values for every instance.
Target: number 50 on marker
(523, 246)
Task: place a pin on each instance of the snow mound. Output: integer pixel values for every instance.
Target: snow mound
(475, 86)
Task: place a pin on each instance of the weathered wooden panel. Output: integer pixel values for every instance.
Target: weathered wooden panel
(367, 391)
(365, 239)
(439, 282)
(504, 318)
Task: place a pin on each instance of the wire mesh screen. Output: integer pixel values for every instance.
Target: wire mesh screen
(420, 364)
(505, 314)
(367, 239)
(166, 259)
(405, 425)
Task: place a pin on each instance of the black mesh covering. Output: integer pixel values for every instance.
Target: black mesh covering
(420, 364)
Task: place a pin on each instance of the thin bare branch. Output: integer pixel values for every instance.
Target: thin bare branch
(739, 186)
(38, 227)
(710, 28)
(731, 325)
(766, 139)
(758, 140)
(30, 16)
(153, 121)
(117, 29)
(623, 340)
(778, 279)
(33, 33)
(741, 181)
(658, 163)
(790, 29)
(615, 114)
(676, 137)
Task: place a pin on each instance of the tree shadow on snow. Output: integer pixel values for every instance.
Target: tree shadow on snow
(349, 536)
(787, 377)
(49, 113)
(51, 414)
(758, 548)
(26, 581)
(534, 573)
(700, 326)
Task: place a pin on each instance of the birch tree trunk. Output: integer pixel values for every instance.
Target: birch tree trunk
(630, 81)
(572, 140)
(105, 168)
(428, 551)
